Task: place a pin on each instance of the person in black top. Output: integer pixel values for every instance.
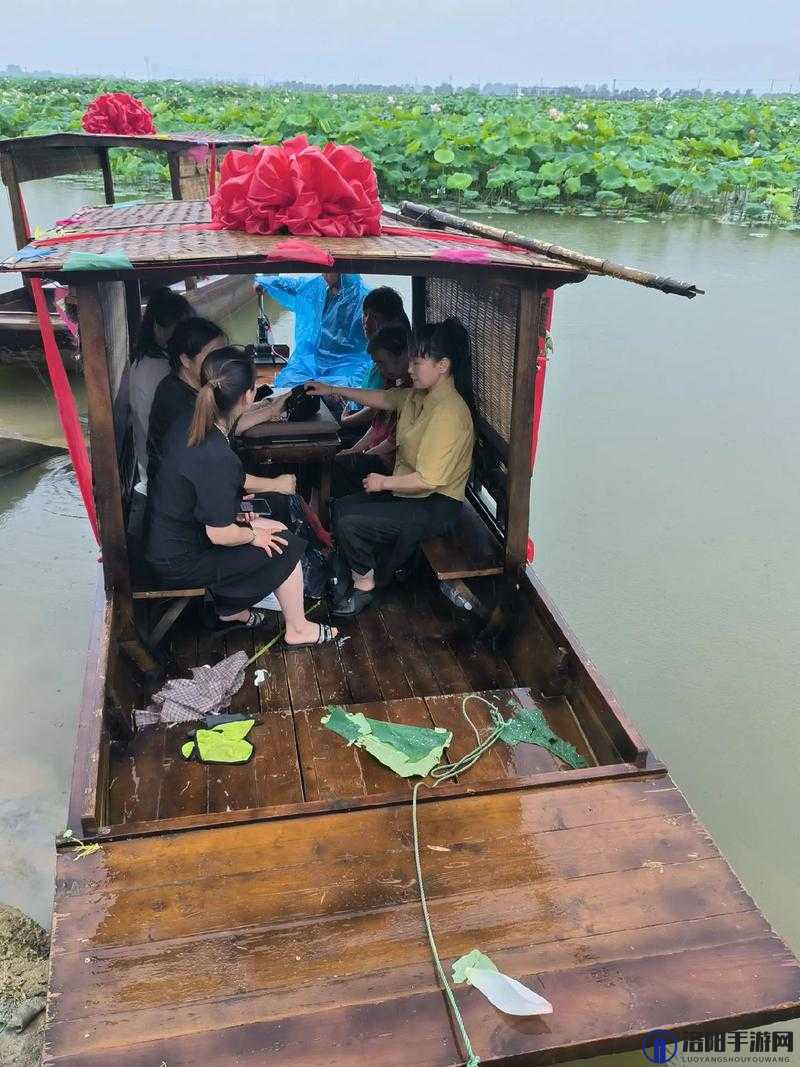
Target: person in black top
(175, 396)
(197, 534)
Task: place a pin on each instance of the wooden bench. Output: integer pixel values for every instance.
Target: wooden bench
(179, 600)
(469, 551)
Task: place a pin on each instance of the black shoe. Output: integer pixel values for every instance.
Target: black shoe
(354, 603)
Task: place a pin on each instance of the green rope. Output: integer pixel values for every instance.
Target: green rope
(441, 774)
(524, 726)
(472, 1059)
(275, 639)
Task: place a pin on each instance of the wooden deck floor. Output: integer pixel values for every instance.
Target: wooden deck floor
(299, 942)
(409, 659)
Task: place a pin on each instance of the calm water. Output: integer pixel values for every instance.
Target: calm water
(665, 512)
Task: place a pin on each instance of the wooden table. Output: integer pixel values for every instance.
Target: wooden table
(294, 444)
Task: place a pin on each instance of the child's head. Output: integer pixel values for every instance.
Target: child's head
(383, 306)
(192, 340)
(389, 348)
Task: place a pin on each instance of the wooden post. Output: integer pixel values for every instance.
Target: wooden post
(174, 161)
(108, 180)
(418, 292)
(105, 469)
(133, 309)
(18, 218)
(519, 449)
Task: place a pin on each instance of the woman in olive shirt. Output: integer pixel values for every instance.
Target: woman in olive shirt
(424, 494)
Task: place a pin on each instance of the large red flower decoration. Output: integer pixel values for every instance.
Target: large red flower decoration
(298, 188)
(117, 113)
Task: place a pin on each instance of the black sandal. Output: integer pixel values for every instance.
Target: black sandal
(256, 618)
(354, 603)
(324, 637)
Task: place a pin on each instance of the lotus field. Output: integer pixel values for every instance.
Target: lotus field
(734, 158)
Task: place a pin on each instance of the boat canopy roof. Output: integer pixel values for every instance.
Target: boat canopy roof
(178, 238)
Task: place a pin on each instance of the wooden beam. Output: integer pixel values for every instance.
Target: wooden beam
(133, 309)
(11, 180)
(107, 490)
(174, 161)
(108, 180)
(519, 451)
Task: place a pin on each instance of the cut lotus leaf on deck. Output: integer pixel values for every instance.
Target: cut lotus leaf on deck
(506, 993)
(529, 725)
(407, 750)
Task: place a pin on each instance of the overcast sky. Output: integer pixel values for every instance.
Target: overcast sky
(720, 43)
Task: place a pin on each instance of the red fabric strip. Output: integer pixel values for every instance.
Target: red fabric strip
(65, 402)
(136, 231)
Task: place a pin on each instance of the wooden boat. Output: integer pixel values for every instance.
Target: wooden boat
(24, 159)
(269, 913)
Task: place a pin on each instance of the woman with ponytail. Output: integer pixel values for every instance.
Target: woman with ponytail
(424, 494)
(197, 534)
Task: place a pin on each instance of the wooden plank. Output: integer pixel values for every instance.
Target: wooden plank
(483, 668)
(203, 964)
(519, 451)
(36, 163)
(375, 877)
(595, 952)
(470, 820)
(385, 663)
(335, 769)
(302, 679)
(137, 777)
(618, 1004)
(234, 788)
(468, 551)
(362, 682)
(444, 664)
(83, 798)
(398, 614)
(447, 711)
(331, 677)
(9, 171)
(277, 766)
(107, 490)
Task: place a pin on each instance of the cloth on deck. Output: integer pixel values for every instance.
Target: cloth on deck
(189, 699)
(330, 343)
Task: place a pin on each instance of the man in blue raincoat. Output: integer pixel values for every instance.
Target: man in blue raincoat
(329, 340)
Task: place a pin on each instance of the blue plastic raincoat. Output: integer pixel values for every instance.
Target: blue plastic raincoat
(329, 340)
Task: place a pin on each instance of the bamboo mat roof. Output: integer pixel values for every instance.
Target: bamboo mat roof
(172, 236)
(165, 142)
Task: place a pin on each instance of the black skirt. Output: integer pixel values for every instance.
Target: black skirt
(236, 576)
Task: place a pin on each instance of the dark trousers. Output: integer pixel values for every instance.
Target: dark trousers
(378, 531)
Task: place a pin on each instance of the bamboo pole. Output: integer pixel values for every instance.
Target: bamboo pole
(420, 213)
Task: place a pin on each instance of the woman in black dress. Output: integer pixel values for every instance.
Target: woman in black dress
(197, 534)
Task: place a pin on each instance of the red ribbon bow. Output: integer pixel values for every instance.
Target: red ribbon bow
(117, 113)
(299, 188)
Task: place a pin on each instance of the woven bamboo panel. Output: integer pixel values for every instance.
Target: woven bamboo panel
(489, 312)
(176, 246)
(124, 216)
